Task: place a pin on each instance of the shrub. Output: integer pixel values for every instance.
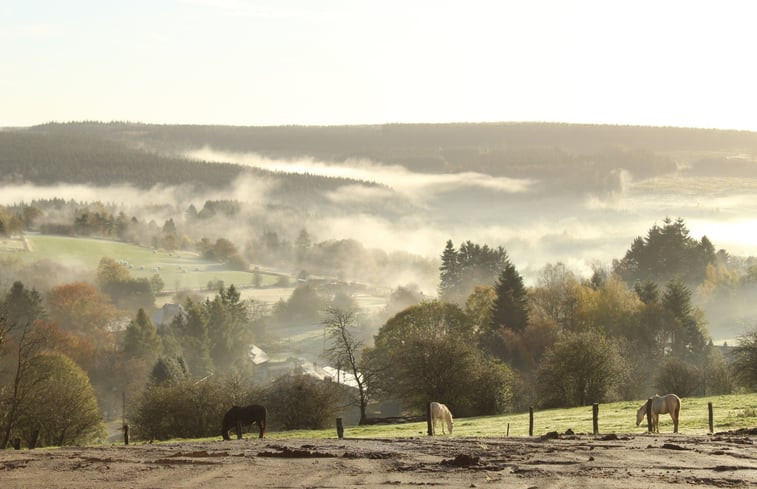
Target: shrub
(189, 408)
(580, 369)
(745, 361)
(302, 402)
(678, 377)
(61, 409)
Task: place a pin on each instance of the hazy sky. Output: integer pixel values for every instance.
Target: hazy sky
(261, 62)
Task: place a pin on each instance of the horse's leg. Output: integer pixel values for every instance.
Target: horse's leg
(261, 429)
(656, 422)
(239, 430)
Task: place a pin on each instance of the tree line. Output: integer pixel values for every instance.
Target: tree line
(563, 157)
(486, 345)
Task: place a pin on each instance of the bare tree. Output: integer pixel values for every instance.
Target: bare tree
(346, 352)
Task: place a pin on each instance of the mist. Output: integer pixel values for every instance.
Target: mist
(417, 212)
(535, 227)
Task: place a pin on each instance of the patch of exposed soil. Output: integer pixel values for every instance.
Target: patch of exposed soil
(726, 460)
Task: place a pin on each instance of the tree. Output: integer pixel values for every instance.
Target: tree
(126, 292)
(229, 331)
(191, 329)
(303, 307)
(428, 351)
(449, 273)
(467, 267)
(555, 294)
(110, 271)
(580, 369)
(479, 306)
(23, 308)
(509, 318)
(680, 377)
(687, 340)
(302, 246)
(82, 309)
(346, 351)
(60, 404)
(510, 308)
(744, 364)
(667, 252)
(302, 402)
(141, 338)
(169, 370)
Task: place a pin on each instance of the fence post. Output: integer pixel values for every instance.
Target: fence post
(126, 434)
(429, 424)
(709, 410)
(649, 414)
(33, 441)
(508, 430)
(530, 421)
(339, 428)
(595, 417)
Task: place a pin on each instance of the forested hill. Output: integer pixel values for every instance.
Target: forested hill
(106, 154)
(569, 157)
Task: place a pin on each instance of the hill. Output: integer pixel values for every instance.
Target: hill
(579, 157)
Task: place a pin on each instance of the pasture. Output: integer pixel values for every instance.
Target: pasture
(730, 412)
(178, 269)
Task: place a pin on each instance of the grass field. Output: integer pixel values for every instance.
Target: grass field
(179, 269)
(729, 413)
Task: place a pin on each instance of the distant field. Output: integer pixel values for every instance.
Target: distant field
(179, 270)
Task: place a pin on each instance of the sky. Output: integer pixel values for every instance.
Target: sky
(331, 62)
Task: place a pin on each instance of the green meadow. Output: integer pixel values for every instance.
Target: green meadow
(730, 412)
(178, 269)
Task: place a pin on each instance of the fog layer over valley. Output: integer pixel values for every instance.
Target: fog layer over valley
(547, 193)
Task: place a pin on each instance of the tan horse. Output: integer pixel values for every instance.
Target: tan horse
(669, 403)
(440, 412)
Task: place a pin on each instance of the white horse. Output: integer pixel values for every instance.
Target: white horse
(669, 403)
(440, 412)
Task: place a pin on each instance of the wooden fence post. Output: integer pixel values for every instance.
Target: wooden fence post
(126, 434)
(33, 441)
(429, 423)
(595, 417)
(649, 414)
(709, 409)
(339, 428)
(530, 421)
(508, 430)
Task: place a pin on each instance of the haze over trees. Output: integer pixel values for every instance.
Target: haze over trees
(465, 326)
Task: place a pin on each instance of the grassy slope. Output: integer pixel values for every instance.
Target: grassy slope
(729, 413)
(87, 253)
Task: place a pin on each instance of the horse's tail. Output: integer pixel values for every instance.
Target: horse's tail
(678, 408)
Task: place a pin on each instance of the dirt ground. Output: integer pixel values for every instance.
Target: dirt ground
(557, 461)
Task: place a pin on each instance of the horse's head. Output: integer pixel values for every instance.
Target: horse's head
(641, 413)
(450, 425)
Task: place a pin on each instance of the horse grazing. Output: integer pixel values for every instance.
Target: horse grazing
(243, 416)
(669, 403)
(440, 413)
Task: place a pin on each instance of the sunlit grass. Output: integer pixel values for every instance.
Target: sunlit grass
(731, 412)
(177, 269)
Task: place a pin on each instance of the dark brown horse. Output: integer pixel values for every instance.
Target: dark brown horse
(243, 416)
